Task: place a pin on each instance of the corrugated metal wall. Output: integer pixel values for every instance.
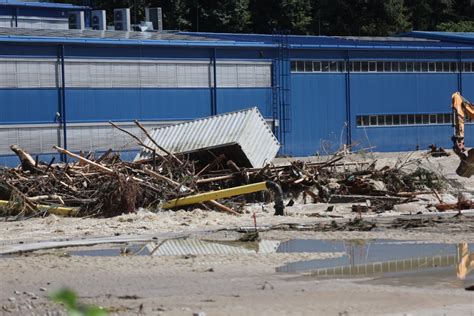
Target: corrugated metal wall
(318, 114)
(401, 94)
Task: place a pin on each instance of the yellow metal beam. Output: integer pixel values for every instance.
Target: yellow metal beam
(52, 209)
(215, 195)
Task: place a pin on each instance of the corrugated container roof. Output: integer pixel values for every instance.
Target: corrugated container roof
(181, 247)
(242, 135)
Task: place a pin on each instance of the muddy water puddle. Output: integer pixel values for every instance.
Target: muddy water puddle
(392, 262)
(385, 261)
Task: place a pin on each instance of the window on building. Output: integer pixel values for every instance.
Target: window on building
(316, 66)
(431, 67)
(380, 66)
(403, 119)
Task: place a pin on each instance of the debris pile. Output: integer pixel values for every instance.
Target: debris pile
(108, 186)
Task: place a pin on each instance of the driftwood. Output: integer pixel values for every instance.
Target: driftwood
(108, 186)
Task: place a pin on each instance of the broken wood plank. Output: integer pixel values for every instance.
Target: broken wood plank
(87, 161)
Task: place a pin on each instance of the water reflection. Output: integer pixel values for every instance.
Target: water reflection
(379, 257)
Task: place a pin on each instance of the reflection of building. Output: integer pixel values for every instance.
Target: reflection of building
(465, 262)
(377, 257)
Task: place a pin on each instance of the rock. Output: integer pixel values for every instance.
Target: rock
(408, 208)
(43, 289)
(17, 292)
(378, 185)
(12, 299)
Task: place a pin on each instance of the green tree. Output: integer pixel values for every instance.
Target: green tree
(176, 13)
(425, 15)
(293, 15)
(360, 17)
(223, 16)
(463, 26)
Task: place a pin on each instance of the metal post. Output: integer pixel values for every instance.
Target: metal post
(63, 102)
(460, 72)
(17, 12)
(348, 100)
(214, 88)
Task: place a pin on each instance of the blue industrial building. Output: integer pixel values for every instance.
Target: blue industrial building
(61, 87)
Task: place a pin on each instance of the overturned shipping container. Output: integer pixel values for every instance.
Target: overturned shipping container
(243, 137)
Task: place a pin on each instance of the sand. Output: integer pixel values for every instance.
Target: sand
(239, 284)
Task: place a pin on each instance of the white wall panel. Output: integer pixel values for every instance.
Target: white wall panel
(38, 73)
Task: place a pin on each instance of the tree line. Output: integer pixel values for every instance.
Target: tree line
(311, 17)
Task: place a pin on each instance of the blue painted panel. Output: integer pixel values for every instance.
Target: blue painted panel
(468, 86)
(143, 104)
(234, 99)
(403, 138)
(14, 50)
(317, 114)
(13, 161)
(404, 93)
(43, 12)
(401, 94)
(317, 54)
(468, 93)
(136, 51)
(28, 105)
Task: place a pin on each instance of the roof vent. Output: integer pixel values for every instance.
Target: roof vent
(76, 20)
(155, 16)
(122, 19)
(98, 20)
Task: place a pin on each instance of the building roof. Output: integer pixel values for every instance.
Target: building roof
(342, 42)
(49, 5)
(458, 37)
(409, 41)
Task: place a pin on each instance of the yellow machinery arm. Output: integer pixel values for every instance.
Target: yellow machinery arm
(462, 108)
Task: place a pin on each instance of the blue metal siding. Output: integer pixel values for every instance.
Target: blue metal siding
(86, 105)
(233, 99)
(401, 94)
(136, 52)
(28, 105)
(38, 51)
(318, 113)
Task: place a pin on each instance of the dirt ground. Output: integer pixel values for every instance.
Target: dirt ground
(232, 284)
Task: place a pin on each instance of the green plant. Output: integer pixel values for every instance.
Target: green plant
(68, 298)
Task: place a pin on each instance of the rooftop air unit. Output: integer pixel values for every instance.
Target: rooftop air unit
(155, 16)
(76, 20)
(98, 20)
(122, 20)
